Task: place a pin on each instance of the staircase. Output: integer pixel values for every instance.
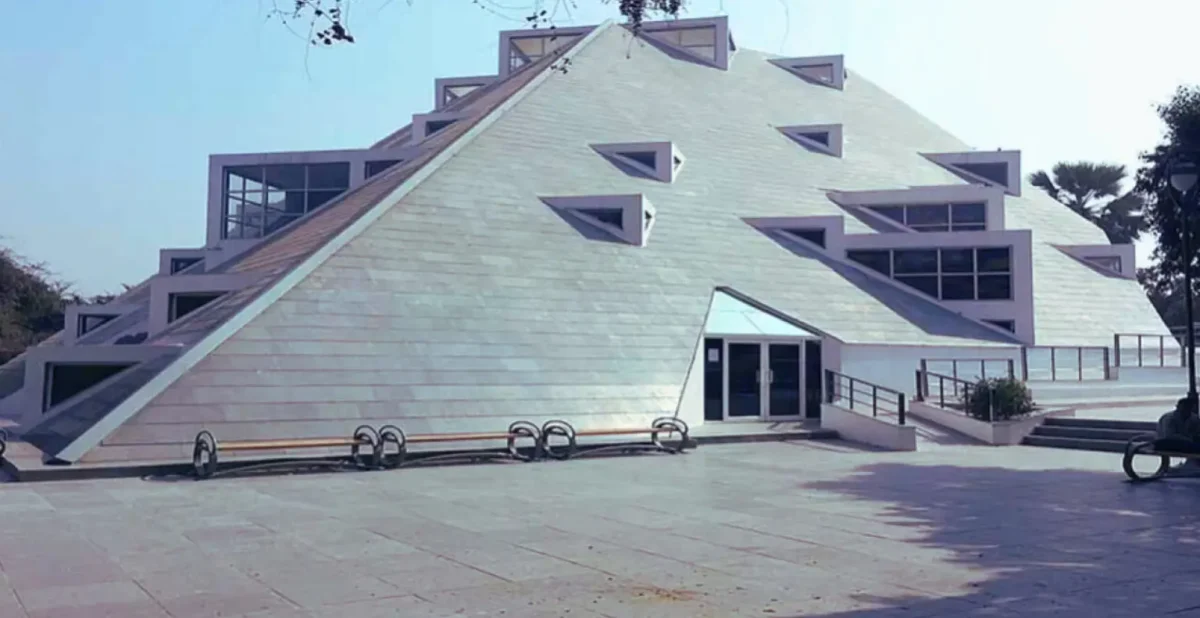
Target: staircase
(1087, 434)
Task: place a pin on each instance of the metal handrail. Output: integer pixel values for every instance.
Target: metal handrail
(1009, 364)
(1077, 351)
(1142, 338)
(838, 385)
(966, 387)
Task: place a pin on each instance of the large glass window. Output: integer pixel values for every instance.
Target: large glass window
(526, 50)
(947, 274)
(260, 199)
(701, 41)
(957, 217)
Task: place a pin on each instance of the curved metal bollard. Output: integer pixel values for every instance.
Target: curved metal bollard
(3, 442)
(558, 428)
(365, 435)
(670, 424)
(1144, 445)
(391, 434)
(524, 429)
(204, 455)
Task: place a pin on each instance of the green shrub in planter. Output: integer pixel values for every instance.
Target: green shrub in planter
(998, 399)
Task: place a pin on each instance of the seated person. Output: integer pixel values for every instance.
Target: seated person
(1182, 423)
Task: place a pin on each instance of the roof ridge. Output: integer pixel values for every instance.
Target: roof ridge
(134, 403)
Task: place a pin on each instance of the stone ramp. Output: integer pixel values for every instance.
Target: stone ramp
(931, 435)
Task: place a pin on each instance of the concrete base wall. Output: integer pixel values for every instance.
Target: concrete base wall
(1000, 433)
(868, 430)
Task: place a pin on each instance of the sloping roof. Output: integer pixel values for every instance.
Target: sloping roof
(729, 316)
(275, 257)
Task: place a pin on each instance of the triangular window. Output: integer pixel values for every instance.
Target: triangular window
(823, 70)
(1110, 262)
(374, 168)
(657, 160)
(823, 138)
(617, 215)
(814, 235)
(608, 216)
(706, 41)
(995, 172)
(90, 322)
(434, 126)
(526, 50)
(649, 159)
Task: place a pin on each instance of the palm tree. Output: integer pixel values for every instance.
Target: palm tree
(1083, 187)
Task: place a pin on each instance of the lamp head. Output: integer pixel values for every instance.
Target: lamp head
(1183, 170)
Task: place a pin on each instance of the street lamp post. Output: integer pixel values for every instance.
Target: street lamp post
(1184, 170)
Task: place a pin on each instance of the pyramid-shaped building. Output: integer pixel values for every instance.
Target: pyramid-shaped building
(610, 229)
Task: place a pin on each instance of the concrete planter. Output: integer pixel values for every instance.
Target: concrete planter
(998, 433)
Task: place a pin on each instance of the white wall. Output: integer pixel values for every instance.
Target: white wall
(895, 366)
(862, 428)
(691, 401)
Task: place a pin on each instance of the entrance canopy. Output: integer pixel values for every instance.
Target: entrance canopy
(728, 316)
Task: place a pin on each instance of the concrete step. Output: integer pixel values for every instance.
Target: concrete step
(1086, 433)
(1097, 423)
(1079, 444)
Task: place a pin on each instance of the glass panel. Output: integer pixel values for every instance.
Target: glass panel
(928, 214)
(995, 172)
(243, 177)
(285, 176)
(66, 381)
(745, 369)
(317, 199)
(462, 91)
(645, 158)
(908, 261)
(813, 380)
(995, 287)
(377, 167)
(968, 227)
(936, 227)
(183, 304)
(820, 137)
(530, 47)
(968, 213)
(821, 73)
(329, 176)
(958, 287)
(924, 283)
(714, 380)
(698, 37)
(234, 207)
(995, 260)
(178, 264)
(958, 260)
(815, 236)
(610, 216)
(433, 126)
(784, 377)
(895, 213)
(879, 261)
(1007, 325)
(89, 323)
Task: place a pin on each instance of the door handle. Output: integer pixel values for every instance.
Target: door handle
(758, 376)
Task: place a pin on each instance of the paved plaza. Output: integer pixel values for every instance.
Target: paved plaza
(769, 529)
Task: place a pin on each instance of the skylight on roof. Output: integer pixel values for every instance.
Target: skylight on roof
(657, 160)
(1000, 168)
(628, 218)
(707, 41)
(822, 138)
(823, 70)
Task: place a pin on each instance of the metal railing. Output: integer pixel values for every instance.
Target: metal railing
(1065, 363)
(971, 368)
(1148, 350)
(848, 392)
(950, 393)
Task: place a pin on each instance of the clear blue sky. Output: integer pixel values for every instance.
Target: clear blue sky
(111, 107)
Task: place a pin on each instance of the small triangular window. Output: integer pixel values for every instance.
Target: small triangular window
(433, 126)
(821, 137)
(813, 235)
(644, 158)
(995, 172)
(608, 216)
(819, 72)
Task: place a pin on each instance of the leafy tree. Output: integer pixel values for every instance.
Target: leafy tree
(31, 304)
(1083, 187)
(1181, 117)
(328, 21)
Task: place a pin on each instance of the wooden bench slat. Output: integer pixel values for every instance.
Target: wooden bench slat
(263, 445)
(457, 437)
(619, 432)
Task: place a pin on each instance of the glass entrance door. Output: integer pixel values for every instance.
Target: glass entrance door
(783, 379)
(744, 363)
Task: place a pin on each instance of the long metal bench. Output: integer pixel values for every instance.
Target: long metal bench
(664, 425)
(398, 454)
(205, 453)
(1152, 446)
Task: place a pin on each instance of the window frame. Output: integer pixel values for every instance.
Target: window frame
(950, 224)
(258, 221)
(976, 274)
